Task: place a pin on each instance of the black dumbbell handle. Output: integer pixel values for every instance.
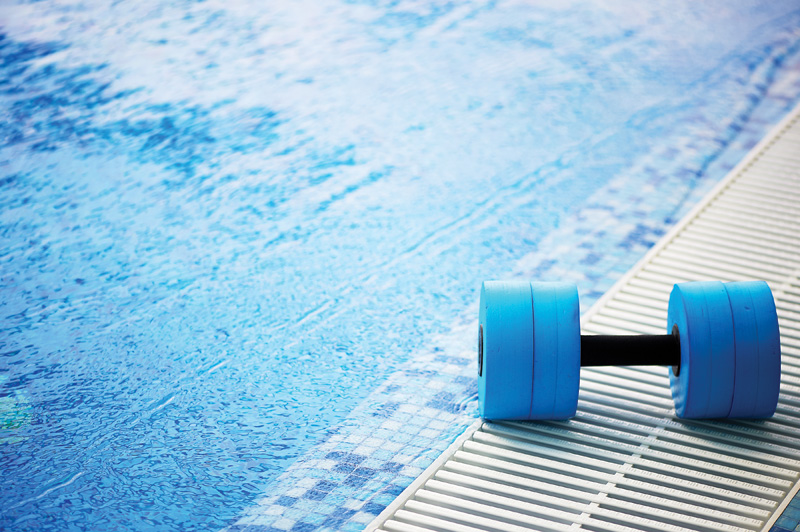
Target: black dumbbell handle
(633, 350)
(622, 350)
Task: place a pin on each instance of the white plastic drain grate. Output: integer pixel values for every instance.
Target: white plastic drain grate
(625, 462)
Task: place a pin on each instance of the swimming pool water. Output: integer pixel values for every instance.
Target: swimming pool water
(224, 225)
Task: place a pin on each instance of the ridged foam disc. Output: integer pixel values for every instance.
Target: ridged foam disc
(769, 349)
(556, 350)
(704, 387)
(505, 350)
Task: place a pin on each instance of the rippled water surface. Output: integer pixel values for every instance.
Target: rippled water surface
(223, 223)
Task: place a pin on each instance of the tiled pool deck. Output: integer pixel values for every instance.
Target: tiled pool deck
(363, 464)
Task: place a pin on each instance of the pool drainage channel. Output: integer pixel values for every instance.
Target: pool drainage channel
(625, 462)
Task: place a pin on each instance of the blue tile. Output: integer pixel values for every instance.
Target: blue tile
(285, 500)
(383, 434)
(335, 455)
(457, 361)
(373, 508)
(392, 466)
(317, 473)
(345, 457)
(343, 513)
(324, 485)
(386, 410)
(335, 499)
(355, 481)
(366, 472)
(417, 420)
(401, 437)
(372, 462)
(373, 486)
(338, 517)
(316, 517)
(311, 505)
(362, 495)
(393, 489)
(295, 513)
(383, 498)
(315, 495)
(792, 513)
(345, 467)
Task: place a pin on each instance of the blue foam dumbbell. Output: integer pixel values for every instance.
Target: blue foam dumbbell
(722, 350)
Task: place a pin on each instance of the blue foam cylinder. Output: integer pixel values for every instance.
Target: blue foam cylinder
(745, 326)
(730, 350)
(530, 364)
(557, 350)
(505, 380)
(769, 349)
(705, 386)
